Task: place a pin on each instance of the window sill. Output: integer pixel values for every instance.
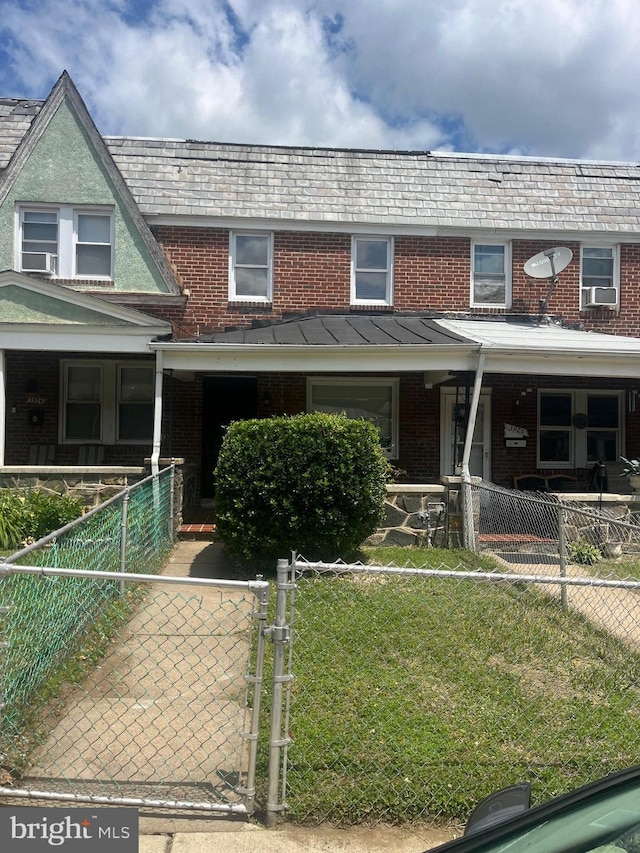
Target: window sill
(372, 306)
(249, 305)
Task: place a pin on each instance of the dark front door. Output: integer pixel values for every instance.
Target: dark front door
(224, 399)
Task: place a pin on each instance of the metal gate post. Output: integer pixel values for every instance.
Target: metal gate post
(261, 590)
(172, 500)
(4, 643)
(280, 636)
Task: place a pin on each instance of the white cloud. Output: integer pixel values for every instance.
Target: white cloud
(553, 77)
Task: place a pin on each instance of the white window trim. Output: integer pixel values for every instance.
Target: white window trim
(75, 242)
(388, 300)
(616, 275)
(506, 245)
(67, 237)
(109, 400)
(578, 437)
(235, 297)
(389, 382)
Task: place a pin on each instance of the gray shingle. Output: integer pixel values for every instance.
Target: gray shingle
(209, 179)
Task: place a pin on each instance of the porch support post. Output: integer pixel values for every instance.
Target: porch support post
(468, 530)
(3, 406)
(157, 414)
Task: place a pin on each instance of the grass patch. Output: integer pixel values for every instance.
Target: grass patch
(415, 697)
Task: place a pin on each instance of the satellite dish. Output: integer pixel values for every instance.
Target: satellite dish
(549, 263)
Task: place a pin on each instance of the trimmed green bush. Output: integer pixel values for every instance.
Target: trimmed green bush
(314, 483)
(33, 515)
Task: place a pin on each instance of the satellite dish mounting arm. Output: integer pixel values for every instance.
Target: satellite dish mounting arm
(550, 253)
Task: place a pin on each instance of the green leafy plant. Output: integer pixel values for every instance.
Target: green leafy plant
(11, 516)
(47, 512)
(583, 552)
(632, 467)
(33, 515)
(315, 483)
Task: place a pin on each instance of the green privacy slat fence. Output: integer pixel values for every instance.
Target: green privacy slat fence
(44, 623)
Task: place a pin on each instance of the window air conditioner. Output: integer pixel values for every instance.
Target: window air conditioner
(42, 262)
(600, 296)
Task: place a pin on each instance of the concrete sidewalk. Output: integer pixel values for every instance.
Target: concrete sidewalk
(239, 837)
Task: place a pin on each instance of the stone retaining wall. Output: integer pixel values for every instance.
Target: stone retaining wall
(414, 515)
(94, 485)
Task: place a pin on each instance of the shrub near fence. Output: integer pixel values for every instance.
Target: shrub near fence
(46, 622)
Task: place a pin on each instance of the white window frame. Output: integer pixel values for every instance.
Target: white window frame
(388, 298)
(21, 213)
(81, 211)
(577, 436)
(234, 296)
(615, 278)
(506, 246)
(110, 372)
(67, 237)
(391, 452)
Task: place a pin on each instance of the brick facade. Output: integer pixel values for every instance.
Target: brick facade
(312, 271)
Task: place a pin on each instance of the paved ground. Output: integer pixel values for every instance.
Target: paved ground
(248, 838)
(617, 611)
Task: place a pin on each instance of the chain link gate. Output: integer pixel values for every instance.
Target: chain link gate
(164, 709)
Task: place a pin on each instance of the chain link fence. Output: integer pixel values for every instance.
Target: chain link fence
(602, 535)
(130, 532)
(417, 691)
(131, 689)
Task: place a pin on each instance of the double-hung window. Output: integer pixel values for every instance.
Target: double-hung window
(490, 275)
(92, 245)
(599, 278)
(65, 241)
(39, 241)
(375, 400)
(578, 428)
(107, 402)
(372, 271)
(251, 266)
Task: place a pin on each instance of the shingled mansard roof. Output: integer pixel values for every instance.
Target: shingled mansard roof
(398, 190)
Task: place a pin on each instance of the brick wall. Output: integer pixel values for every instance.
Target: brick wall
(33, 383)
(312, 271)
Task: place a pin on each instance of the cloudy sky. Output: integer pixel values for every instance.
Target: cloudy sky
(558, 78)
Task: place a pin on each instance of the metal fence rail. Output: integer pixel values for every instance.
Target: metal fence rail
(455, 681)
(154, 703)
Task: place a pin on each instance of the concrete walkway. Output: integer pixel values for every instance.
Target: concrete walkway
(616, 611)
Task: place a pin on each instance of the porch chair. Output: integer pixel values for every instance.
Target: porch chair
(91, 454)
(42, 454)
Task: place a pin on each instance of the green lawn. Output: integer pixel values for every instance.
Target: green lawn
(413, 698)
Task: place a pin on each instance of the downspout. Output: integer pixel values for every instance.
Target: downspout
(468, 527)
(3, 407)
(157, 414)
